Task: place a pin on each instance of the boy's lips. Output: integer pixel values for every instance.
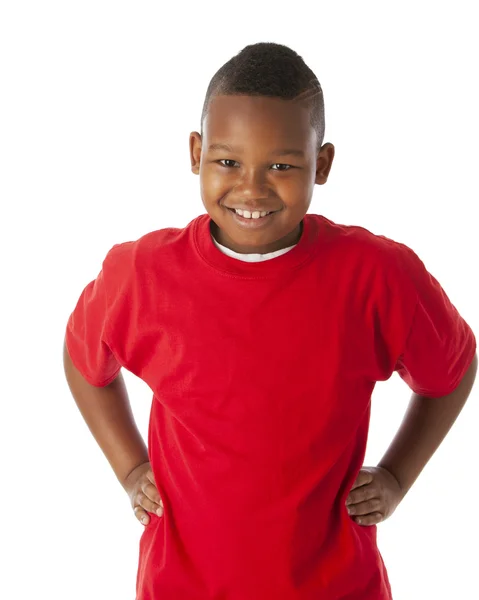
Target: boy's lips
(250, 223)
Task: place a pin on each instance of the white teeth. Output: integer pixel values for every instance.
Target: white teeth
(246, 214)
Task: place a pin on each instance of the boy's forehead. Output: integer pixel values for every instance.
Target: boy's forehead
(244, 118)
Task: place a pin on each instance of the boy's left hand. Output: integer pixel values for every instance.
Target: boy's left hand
(374, 496)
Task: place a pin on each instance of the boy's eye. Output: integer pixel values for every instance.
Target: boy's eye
(227, 160)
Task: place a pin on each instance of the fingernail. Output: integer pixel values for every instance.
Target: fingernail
(351, 510)
(144, 520)
(159, 512)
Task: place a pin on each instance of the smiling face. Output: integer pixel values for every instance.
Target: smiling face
(258, 154)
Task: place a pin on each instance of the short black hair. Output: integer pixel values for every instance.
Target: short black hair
(273, 70)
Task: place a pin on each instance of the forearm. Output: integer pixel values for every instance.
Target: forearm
(107, 412)
(425, 425)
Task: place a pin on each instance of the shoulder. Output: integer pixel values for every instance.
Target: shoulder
(139, 249)
(387, 267)
(133, 257)
(361, 242)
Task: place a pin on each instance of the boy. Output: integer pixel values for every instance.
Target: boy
(262, 331)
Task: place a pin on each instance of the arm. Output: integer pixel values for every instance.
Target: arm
(107, 412)
(425, 425)
(378, 490)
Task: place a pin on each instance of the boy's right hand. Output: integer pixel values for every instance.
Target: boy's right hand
(144, 496)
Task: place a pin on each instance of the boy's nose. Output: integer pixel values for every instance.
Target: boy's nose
(252, 186)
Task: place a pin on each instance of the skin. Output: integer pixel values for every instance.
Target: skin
(256, 174)
(255, 178)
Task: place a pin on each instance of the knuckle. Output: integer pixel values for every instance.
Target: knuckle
(151, 489)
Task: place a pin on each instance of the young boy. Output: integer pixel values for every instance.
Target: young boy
(262, 331)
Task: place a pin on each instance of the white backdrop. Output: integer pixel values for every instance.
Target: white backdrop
(97, 101)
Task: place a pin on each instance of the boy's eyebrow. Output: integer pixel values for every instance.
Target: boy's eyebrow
(278, 152)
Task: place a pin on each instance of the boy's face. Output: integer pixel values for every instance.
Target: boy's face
(254, 173)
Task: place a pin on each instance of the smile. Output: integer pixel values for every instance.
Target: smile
(251, 220)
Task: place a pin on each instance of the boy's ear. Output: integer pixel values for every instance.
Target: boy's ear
(324, 163)
(195, 151)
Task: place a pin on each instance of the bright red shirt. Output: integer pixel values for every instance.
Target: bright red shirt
(262, 375)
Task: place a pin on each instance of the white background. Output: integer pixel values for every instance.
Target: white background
(97, 102)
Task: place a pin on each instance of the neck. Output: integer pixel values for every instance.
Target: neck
(289, 240)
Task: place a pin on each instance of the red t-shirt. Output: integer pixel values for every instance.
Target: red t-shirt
(262, 375)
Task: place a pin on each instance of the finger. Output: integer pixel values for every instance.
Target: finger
(371, 519)
(363, 478)
(141, 515)
(151, 492)
(362, 494)
(365, 508)
(147, 504)
(151, 477)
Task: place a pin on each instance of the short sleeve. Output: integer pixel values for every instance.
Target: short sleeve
(440, 345)
(86, 336)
